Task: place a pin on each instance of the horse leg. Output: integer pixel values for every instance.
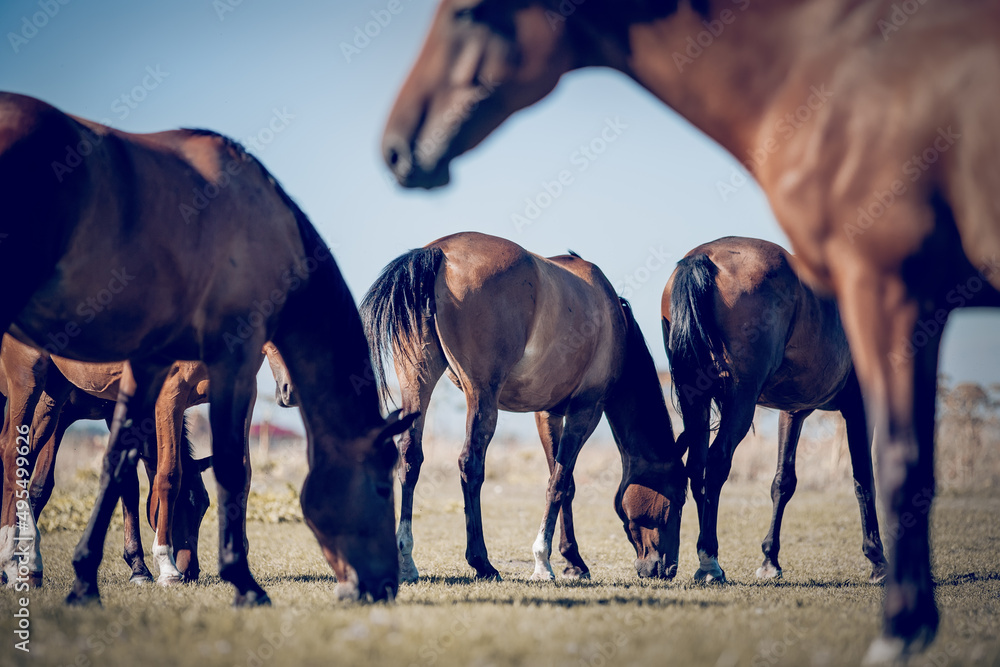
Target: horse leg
(166, 483)
(132, 425)
(736, 417)
(782, 488)
(231, 389)
(859, 439)
(133, 553)
(899, 378)
(18, 451)
(481, 423)
(695, 408)
(579, 425)
(417, 382)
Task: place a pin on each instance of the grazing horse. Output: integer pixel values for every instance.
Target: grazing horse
(741, 329)
(521, 333)
(180, 245)
(48, 394)
(873, 141)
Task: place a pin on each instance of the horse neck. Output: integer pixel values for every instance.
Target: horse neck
(727, 86)
(636, 410)
(326, 353)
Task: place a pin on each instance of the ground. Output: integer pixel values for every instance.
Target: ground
(822, 613)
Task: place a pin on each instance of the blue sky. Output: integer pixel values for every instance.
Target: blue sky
(274, 75)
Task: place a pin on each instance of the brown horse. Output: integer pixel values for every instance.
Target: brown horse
(741, 329)
(48, 393)
(521, 333)
(872, 137)
(179, 245)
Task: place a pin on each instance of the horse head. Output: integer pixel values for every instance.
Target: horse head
(649, 502)
(193, 503)
(482, 61)
(347, 500)
(284, 392)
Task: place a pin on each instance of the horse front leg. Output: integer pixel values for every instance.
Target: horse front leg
(170, 407)
(579, 425)
(481, 423)
(859, 442)
(737, 415)
(133, 553)
(896, 363)
(782, 488)
(231, 391)
(139, 388)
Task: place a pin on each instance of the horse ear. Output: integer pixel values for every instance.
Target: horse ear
(396, 424)
(201, 465)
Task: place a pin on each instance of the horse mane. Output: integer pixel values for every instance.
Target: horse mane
(637, 392)
(573, 253)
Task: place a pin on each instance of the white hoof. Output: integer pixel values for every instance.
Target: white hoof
(769, 572)
(885, 651)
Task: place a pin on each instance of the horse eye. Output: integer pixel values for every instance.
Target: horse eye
(464, 15)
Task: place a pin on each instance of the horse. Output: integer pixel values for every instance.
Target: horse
(872, 141)
(741, 329)
(522, 333)
(47, 394)
(179, 245)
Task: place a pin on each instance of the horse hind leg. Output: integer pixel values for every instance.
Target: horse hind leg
(782, 488)
(166, 483)
(481, 423)
(579, 425)
(417, 382)
(859, 439)
(736, 417)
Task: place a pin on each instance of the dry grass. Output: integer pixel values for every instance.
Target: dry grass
(822, 613)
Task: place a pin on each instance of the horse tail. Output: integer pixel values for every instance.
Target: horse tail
(395, 307)
(695, 345)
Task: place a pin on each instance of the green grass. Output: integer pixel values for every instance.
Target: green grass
(822, 613)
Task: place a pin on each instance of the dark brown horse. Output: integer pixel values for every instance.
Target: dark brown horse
(521, 333)
(179, 245)
(47, 394)
(872, 137)
(742, 330)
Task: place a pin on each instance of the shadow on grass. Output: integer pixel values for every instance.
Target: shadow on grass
(569, 603)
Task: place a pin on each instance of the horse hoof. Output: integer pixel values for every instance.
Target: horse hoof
(489, 575)
(83, 596)
(170, 580)
(140, 579)
(252, 599)
(885, 651)
(408, 573)
(574, 572)
(879, 573)
(704, 577)
(35, 580)
(769, 571)
(542, 575)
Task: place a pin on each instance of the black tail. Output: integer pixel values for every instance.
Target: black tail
(395, 306)
(694, 346)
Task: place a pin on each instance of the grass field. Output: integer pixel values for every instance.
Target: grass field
(822, 613)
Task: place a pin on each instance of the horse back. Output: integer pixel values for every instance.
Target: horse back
(537, 331)
(175, 219)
